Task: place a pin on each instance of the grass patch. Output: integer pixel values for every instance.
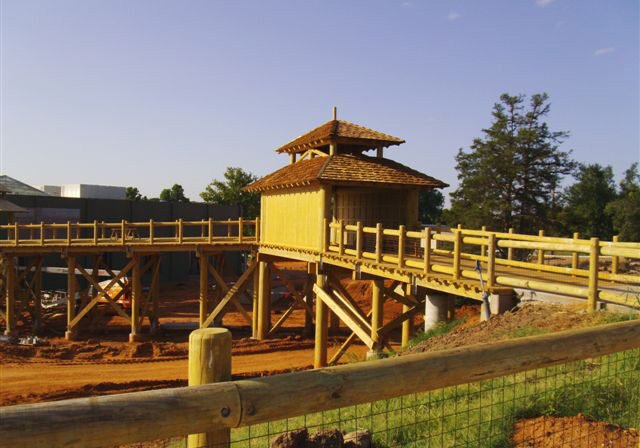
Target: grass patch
(438, 330)
(611, 317)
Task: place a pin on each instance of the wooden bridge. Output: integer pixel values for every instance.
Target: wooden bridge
(423, 265)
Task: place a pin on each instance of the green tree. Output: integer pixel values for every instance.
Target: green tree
(586, 201)
(511, 175)
(173, 194)
(625, 210)
(430, 205)
(230, 192)
(133, 194)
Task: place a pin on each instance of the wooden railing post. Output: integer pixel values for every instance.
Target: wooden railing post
(457, 248)
(324, 238)
(210, 231)
(95, 232)
(401, 236)
(575, 260)
(68, 234)
(594, 253)
(427, 250)
(123, 230)
(180, 231)
(258, 230)
(41, 233)
(614, 259)
(210, 362)
(378, 242)
(229, 228)
(491, 262)
(71, 297)
(341, 237)
(540, 251)
(240, 229)
(151, 232)
(510, 249)
(359, 240)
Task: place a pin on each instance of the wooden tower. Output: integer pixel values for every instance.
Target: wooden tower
(330, 177)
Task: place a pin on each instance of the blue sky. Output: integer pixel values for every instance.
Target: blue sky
(151, 93)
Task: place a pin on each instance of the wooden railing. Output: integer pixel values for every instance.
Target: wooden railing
(445, 251)
(130, 233)
(214, 408)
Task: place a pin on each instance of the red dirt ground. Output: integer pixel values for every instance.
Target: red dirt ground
(572, 432)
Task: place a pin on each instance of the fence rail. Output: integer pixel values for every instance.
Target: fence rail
(434, 251)
(148, 233)
(151, 415)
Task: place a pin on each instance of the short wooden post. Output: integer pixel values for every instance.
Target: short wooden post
(151, 232)
(210, 231)
(10, 294)
(427, 250)
(71, 297)
(341, 237)
(594, 253)
(407, 325)
(377, 313)
(41, 233)
(510, 250)
(491, 261)
(575, 260)
(614, 259)
(322, 315)
(378, 242)
(457, 248)
(204, 287)
(540, 251)
(68, 233)
(123, 231)
(210, 362)
(257, 230)
(264, 300)
(136, 300)
(240, 229)
(401, 237)
(359, 240)
(180, 231)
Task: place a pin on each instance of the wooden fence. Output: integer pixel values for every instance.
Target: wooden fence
(141, 416)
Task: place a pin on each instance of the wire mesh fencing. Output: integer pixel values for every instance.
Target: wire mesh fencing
(589, 403)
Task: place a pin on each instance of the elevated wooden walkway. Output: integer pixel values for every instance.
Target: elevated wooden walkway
(457, 262)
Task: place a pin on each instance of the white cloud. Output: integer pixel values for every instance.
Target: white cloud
(543, 3)
(453, 16)
(603, 51)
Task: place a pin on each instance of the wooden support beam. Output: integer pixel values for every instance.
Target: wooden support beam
(10, 295)
(136, 299)
(264, 300)
(407, 313)
(377, 313)
(344, 347)
(407, 324)
(255, 301)
(592, 298)
(341, 293)
(322, 315)
(71, 295)
(230, 296)
(222, 286)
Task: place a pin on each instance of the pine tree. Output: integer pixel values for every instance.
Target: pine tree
(511, 175)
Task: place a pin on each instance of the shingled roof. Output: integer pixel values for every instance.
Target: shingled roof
(345, 169)
(348, 136)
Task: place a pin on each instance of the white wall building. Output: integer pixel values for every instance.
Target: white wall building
(93, 191)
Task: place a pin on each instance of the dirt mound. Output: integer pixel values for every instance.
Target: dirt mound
(527, 319)
(571, 432)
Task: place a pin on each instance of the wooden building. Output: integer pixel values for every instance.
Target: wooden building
(330, 177)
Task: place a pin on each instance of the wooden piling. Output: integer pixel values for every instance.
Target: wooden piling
(407, 325)
(377, 312)
(71, 297)
(322, 312)
(136, 300)
(10, 295)
(264, 300)
(209, 362)
(592, 299)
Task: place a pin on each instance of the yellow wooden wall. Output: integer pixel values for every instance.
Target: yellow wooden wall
(390, 207)
(293, 217)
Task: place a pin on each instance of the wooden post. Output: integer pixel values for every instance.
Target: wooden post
(575, 260)
(123, 231)
(204, 287)
(41, 233)
(151, 232)
(10, 294)
(401, 235)
(359, 240)
(457, 247)
(210, 231)
(240, 229)
(136, 300)
(322, 314)
(407, 325)
(614, 259)
(593, 275)
(264, 300)
(540, 251)
(180, 231)
(210, 362)
(378, 242)
(341, 237)
(427, 250)
(68, 233)
(324, 239)
(37, 292)
(292, 158)
(257, 230)
(71, 297)
(510, 250)
(255, 301)
(491, 261)
(377, 313)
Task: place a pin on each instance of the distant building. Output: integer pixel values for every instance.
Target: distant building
(93, 191)
(13, 186)
(53, 190)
